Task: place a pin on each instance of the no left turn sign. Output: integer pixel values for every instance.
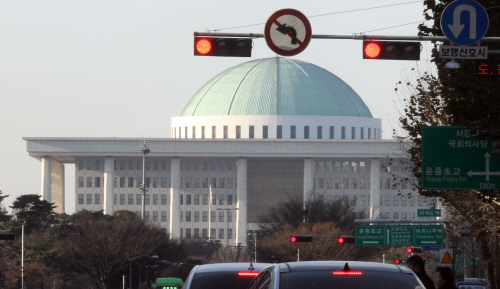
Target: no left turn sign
(287, 32)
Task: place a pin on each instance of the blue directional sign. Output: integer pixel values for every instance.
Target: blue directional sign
(464, 22)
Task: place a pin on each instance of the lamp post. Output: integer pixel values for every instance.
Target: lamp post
(144, 151)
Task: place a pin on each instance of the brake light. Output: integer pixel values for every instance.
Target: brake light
(248, 274)
(347, 273)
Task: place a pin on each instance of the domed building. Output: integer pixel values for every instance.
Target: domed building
(250, 138)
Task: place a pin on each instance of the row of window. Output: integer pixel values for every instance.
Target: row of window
(344, 166)
(343, 183)
(404, 200)
(403, 215)
(189, 182)
(177, 132)
(195, 199)
(204, 234)
(147, 216)
(123, 164)
(204, 216)
(96, 199)
(206, 165)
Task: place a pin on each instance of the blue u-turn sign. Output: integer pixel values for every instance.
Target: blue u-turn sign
(464, 22)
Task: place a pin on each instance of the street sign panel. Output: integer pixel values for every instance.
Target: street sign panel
(453, 158)
(463, 52)
(464, 22)
(428, 213)
(399, 235)
(287, 32)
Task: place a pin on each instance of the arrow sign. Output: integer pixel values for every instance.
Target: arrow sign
(487, 172)
(289, 31)
(464, 22)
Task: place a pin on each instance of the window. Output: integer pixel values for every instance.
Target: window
(89, 199)
(229, 183)
(387, 200)
(204, 183)
(411, 201)
(354, 183)
(293, 131)
(204, 234)
(188, 166)
(138, 182)
(213, 166)
(130, 199)
(251, 132)
(395, 200)
(306, 132)
(163, 183)
(387, 184)
(81, 165)
(337, 167)
(221, 166)
(213, 132)
(122, 199)
(404, 184)
(353, 133)
(329, 183)
(196, 182)
(97, 199)
(155, 216)
(205, 165)
(163, 165)
(265, 132)
(163, 199)
(115, 182)
(188, 183)
(238, 131)
(148, 182)
(221, 199)
(131, 182)
(229, 216)
(362, 167)
(395, 215)
(230, 234)
(182, 183)
(163, 216)
(321, 183)
(229, 199)
(204, 216)
(89, 165)
(80, 182)
(320, 132)
(279, 131)
(337, 183)
(80, 199)
(188, 231)
(196, 199)
(89, 182)
(202, 132)
(362, 136)
(354, 166)
(329, 166)
(212, 234)
(131, 165)
(197, 216)
(221, 183)
(361, 200)
(369, 133)
(403, 215)
(214, 183)
(155, 199)
(193, 132)
(221, 216)
(188, 199)
(181, 217)
(342, 132)
(138, 165)
(345, 167)
(229, 166)
(155, 182)
(214, 199)
(420, 201)
(155, 165)
(188, 216)
(226, 132)
(221, 233)
(138, 199)
(404, 200)
(332, 132)
(212, 216)
(196, 234)
(147, 199)
(204, 199)
(345, 183)
(362, 184)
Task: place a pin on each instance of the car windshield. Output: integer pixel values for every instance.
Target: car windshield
(367, 280)
(220, 280)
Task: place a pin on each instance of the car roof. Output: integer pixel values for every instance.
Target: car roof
(470, 282)
(339, 265)
(231, 267)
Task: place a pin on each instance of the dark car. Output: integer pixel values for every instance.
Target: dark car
(223, 275)
(336, 275)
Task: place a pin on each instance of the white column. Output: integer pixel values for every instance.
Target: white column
(241, 213)
(175, 169)
(109, 173)
(375, 189)
(46, 178)
(308, 178)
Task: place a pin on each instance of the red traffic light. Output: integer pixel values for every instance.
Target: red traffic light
(340, 240)
(203, 46)
(409, 250)
(372, 49)
(301, 239)
(293, 239)
(397, 261)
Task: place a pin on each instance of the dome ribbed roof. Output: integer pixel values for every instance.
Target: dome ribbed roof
(276, 86)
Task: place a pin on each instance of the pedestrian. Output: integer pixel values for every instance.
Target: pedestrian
(444, 278)
(416, 264)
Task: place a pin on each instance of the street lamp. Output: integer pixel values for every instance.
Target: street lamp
(130, 268)
(144, 151)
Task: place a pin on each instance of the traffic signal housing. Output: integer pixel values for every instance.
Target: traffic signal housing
(7, 236)
(344, 240)
(400, 261)
(391, 50)
(295, 239)
(229, 47)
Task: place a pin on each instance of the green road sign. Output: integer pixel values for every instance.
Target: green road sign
(452, 158)
(428, 213)
(399, 235)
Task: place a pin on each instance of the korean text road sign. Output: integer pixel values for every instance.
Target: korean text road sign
(287, 32)
(453, 158)
(428, 213)
(487, 68)
(464, 22)
(463, 52)
(400, 235)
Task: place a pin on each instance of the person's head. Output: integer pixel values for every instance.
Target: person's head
(416, 263)
(444, 276)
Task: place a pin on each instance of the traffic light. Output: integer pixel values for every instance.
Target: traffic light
(395, 50)
(342, 240)
(426, 261)
(399, 261)
(7, 236)
(409, 250)
(301, 239)
(231, 47)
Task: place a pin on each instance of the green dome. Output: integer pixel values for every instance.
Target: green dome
(276, 86)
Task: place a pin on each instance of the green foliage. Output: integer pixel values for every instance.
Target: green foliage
(32, 211)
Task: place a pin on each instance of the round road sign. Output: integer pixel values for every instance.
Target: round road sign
(464, 22)
(287, 32)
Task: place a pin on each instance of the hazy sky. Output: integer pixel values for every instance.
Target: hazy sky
(124, 68)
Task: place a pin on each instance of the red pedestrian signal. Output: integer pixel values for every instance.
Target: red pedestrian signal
(230, 47)
(301, 239)
(391, 50)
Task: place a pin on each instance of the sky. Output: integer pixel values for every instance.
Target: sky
(124, 68)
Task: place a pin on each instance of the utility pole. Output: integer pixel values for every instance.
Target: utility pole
(144, 151)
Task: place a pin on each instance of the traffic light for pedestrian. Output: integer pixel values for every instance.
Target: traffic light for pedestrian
(301, 239)
(7, 236)
(230, 47)
(391, 50)
(342, 240)
(399, 261)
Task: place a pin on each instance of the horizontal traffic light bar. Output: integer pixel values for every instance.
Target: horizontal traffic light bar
(229, 47)
(340, 239)
(301, 239)
(391, 50)
(7, 236)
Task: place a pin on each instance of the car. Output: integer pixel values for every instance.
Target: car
(471, 283)
(336, 275)
(223, 275)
